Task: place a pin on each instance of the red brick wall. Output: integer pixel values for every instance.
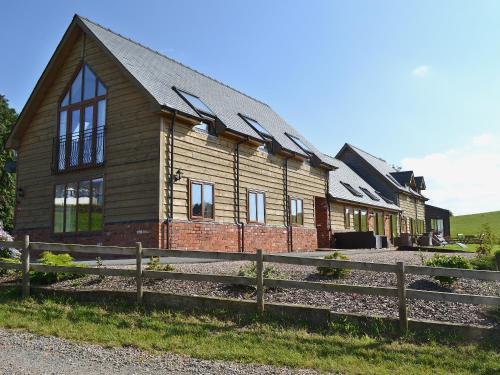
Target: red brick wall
(188, 236)
(321, 208)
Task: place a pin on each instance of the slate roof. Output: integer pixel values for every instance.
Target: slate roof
(384, 169)
(158, 74)
(403, 177)
(345, 174)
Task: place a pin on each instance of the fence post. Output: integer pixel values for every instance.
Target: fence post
(138, 276)
(260, 281)
(403, 316)
(26, 267)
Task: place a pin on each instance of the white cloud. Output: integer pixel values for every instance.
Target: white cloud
(421, 71)
(465, 179)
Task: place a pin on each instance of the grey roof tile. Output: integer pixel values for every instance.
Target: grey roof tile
(158, 74)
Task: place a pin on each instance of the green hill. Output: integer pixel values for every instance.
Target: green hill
(471, 224)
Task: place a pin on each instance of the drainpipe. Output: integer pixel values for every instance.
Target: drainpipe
(241, 225)
(171, 183)
(328, 207)
(287, 211)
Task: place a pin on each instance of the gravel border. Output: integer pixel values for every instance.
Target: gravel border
(26, 353)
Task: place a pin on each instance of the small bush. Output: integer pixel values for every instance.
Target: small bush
(454, 261)
(250, 270)
(484, 262)
(333, 272)
(49, 259)
(487, 241)
(155, 265)
(4, 251)
(8, 260)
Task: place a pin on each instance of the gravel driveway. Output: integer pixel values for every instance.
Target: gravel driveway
(339, 302)
(25, 353)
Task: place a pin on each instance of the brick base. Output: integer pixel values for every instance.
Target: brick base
(189, 236)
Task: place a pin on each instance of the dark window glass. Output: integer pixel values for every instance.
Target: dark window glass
(299, 143)
(75, 136)
(258, 127)
(196, 200)
(370, 194)
(351, 189)
(63, 124)
(196, 103)
(84, 206)
(208, 203)
(76, 89)
(71, 206)
(97, 217)
(101, 112)
(88, 84)
(59, 209)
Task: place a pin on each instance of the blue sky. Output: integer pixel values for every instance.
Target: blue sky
(403, 80)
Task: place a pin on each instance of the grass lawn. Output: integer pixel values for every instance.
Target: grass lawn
(471, 248)
(472, 224)
(244, 339)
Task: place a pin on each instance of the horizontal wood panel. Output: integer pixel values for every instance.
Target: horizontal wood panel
(224, 279)
(453, 297)
(454, 272)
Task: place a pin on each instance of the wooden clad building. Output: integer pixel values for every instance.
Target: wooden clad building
(119, 143)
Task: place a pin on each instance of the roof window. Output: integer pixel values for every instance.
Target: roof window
(370, 194)
(386, 200)
(196, 103)
(299, 143)
(257, 127)
(351, 189)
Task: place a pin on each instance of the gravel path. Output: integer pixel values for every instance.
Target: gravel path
(339, 302)
(25, 353)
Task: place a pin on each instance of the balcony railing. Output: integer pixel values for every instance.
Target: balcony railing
(77, 151)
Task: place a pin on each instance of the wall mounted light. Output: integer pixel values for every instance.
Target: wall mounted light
(178, 175)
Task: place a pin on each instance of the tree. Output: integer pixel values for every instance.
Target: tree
(8, 117)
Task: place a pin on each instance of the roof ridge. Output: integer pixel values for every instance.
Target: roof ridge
(366, 152)
(171, 59)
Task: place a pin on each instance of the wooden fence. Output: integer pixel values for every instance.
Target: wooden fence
(400, 269)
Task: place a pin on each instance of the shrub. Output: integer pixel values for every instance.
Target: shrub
(454, 261)
(484, 262)
(487, 241)
(250, 270)
(4, 251)
(333, 272)
(155, 265)
(8, 260)
(49, 259)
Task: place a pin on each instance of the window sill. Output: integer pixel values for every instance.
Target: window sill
(78, 168)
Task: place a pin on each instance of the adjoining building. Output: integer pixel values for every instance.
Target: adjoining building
(437, 220)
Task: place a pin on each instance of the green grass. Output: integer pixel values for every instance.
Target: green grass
(471, 248)
(244, 339)
(472, 224)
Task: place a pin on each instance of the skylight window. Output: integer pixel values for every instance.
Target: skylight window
(351, 189)
(196, 103)
(386, 200)
(257, 127)
(370, 194)
(299, 143)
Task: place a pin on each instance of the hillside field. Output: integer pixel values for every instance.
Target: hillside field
(471, 224)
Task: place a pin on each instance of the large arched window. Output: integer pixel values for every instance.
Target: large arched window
(82, 119)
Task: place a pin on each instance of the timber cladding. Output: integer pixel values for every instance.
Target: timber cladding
(412, 207)
(131, 158)
(200, 156)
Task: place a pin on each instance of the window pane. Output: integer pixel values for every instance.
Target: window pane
(347, 218)
(364, 221)
(260, 208)
(252, 207)
(88, 84)
(97, 218)
(59, 209)
(75, 135)
(63, 122)
(101, 90)
(83, 206)
(71, 201)
(76, 89)
(197, 103)
(203, 126)
(101, 113)
(357, 218)
(208, 203)
(196, 200)
(300, 212)
(65, 100)
(87, 134)
(293, 210)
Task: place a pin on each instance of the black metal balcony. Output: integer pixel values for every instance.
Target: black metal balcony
(78, 151)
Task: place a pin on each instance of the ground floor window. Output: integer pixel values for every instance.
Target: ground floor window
(379, 223)
(256, 207)
(360, 220)
(394, 226)
(201, 201)
(437, 226)
(78, 206)
(296, 211)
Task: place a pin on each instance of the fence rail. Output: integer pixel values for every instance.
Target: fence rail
(399, 269)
